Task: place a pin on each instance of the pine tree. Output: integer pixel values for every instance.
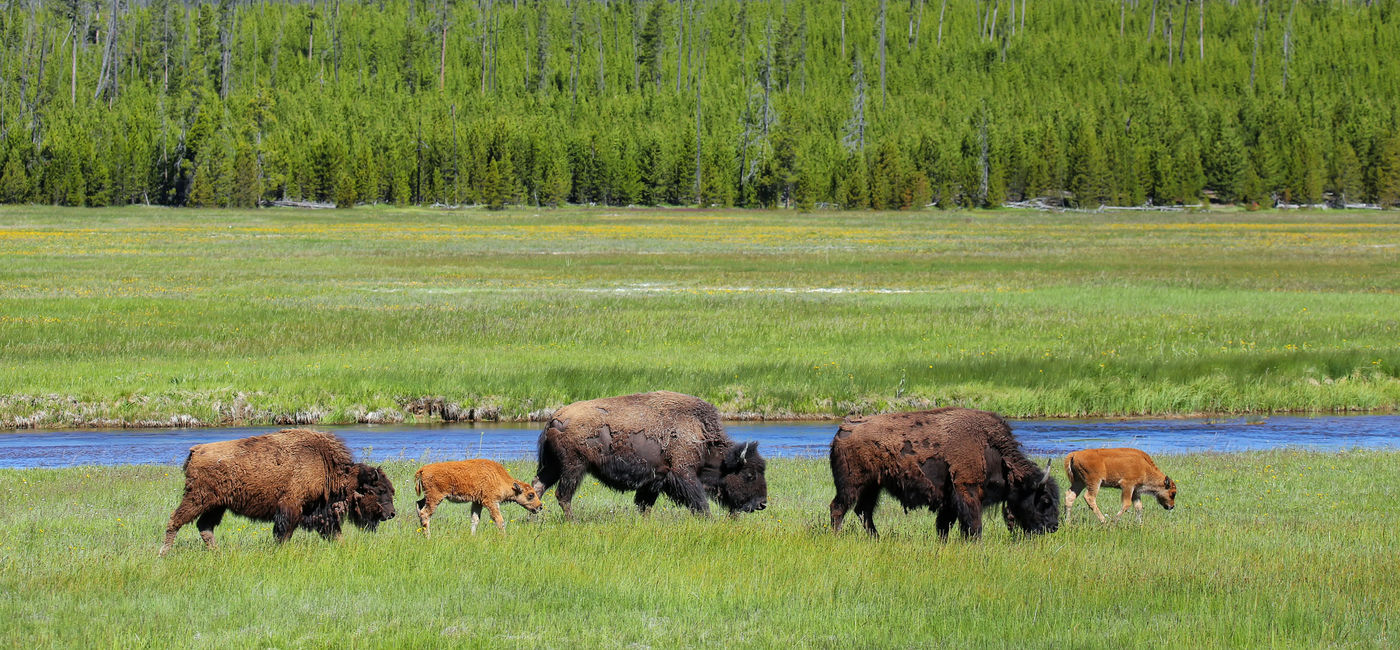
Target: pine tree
(14, 181)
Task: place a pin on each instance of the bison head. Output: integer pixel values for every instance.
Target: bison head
(1033, 503)
(1167, 496)
(739, 483)
(373, 498)
(528, 497)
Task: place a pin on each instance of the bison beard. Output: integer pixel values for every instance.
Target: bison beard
(953, 461)
(293, 478)
(654, 443)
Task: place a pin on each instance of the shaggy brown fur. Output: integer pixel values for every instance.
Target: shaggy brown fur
(954, 461)
(294, 477)
(1130, 470)
(654, 443)
(482, 482)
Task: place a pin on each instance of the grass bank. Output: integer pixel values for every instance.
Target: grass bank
(178, 317)
(1282, 548)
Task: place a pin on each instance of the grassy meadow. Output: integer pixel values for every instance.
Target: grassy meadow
(151, 316)
(1280, 549)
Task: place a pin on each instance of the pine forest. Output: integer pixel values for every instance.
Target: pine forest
(878, 104)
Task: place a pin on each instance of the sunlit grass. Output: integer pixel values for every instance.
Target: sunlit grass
(1271, 548)
(141, 315)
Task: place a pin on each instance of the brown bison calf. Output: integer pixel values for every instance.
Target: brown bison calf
(480, 481)
(1130, 470)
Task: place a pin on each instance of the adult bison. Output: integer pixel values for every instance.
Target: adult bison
(954, 461)
(654, 443)
(294, 477)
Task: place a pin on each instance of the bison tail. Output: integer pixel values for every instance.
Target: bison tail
(1069, 466)
(418, 483)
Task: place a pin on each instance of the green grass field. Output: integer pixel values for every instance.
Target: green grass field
(151, 316)
(1275, 549)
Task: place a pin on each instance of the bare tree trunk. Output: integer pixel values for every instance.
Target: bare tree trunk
(574, 48)
(1167, 36)
(107, 76)
(1185, 20)
(1288, 43)
(918, 26)
(1023, 15)
(843, 30)
(485, 42)
(442, 60)
(1152, 22)
(680, 47)
(636, 29)
(1201, 7)
(1122, 17)
(1254, 57)
(73, 78)
(883, 21)
(992, 24)
(941, 12)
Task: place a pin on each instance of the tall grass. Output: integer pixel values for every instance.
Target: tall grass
(140, 315)
(1274, 548)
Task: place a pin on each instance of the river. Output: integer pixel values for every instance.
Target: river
(507, 441)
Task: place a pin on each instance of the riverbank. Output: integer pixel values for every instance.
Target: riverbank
(1262, 546)
(156, 317)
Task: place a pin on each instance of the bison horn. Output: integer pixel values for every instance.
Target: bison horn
(556, 423)
(743, 454)
(1046, 476)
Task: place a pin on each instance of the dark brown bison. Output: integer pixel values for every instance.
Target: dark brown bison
(294, 477)
(954, 461)
(654, 443)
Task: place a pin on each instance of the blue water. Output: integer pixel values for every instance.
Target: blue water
(776, 439)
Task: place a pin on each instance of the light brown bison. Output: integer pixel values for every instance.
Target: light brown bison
(479, 481)
(954, 461)
(654, 443)
(294, 477)
(1130, 470)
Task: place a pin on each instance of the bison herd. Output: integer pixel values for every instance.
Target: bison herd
(954, 461)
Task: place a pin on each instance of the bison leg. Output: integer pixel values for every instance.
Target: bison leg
(495, 510)
(426, 506)
(947, 514)
(1131, 498)
(968, 500)
(1071, 494)
(476, 516)
(845, 496)
(568, 484)
(646, 498)
(184, 513)
(1091, 497)
(549, 469)
(285, 522)
(687, 490)
(207, 522)
(865, 508)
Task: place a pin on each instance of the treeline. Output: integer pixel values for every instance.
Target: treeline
(859, 103)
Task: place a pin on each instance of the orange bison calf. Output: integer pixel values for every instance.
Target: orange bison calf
(1130, 470)
(480, 481)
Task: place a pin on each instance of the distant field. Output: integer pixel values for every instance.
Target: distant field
(1281, 548)
(142, 315)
